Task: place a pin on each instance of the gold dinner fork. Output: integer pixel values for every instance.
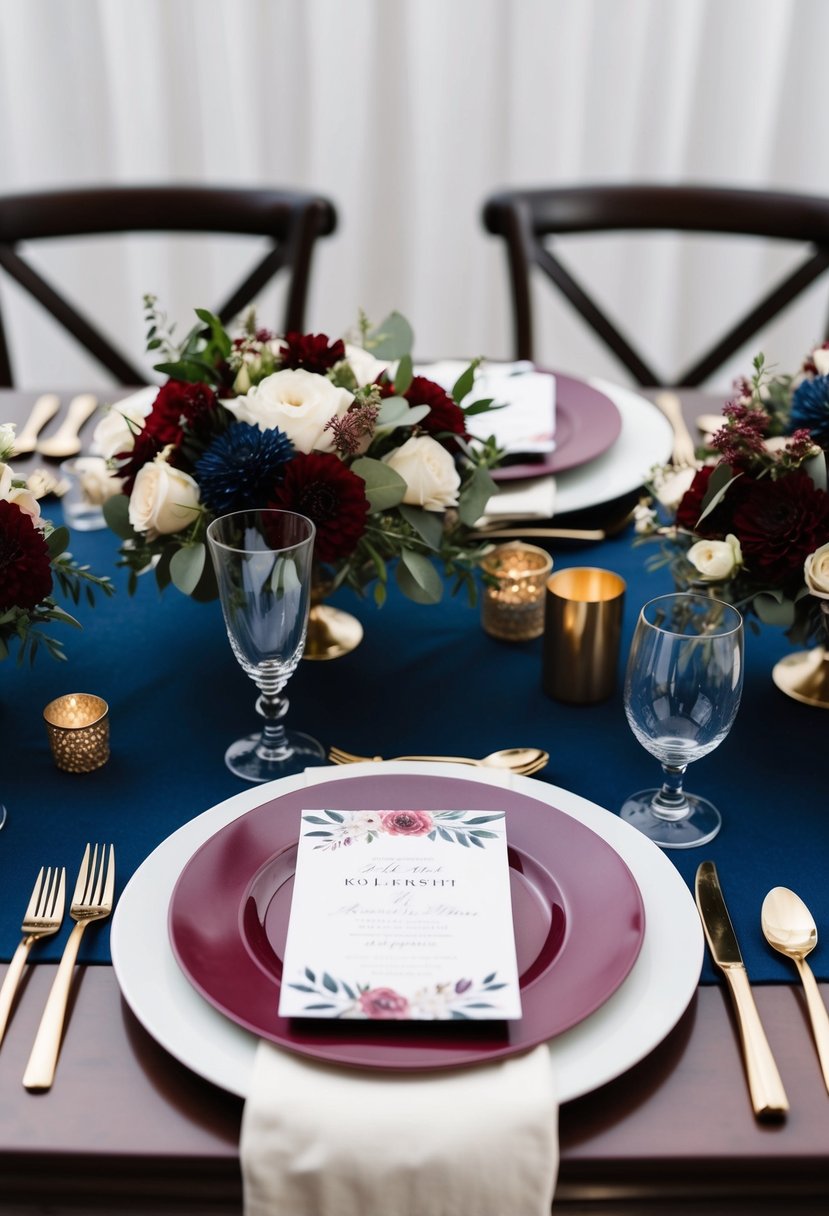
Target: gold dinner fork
(42, 917)
(92, 900)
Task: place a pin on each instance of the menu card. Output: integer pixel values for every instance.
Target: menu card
(401, 915)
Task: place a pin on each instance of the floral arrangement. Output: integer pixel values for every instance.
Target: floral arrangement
(751, 522)
(380, 459)
(461, 999)
(464, 827)
(33, 558)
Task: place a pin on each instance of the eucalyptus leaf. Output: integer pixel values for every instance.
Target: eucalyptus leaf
(396, 411)
(475, 496)
(464, 382)
(392, 338)
(774, 609)
(186, 567)
(404, 375)
(418, 579)
(384, 487)
(718, 484)
(117, 516)
(56, 541)
(427, 524)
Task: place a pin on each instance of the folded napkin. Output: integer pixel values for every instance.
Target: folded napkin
(318, 1140)
(533, 498)
(526, 423)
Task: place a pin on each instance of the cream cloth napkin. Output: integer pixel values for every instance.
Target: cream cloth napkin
(318, 1140)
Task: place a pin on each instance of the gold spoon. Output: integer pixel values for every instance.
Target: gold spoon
(66, 440)
(790, 928)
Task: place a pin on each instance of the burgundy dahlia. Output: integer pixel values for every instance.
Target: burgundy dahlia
(319, 486)
(179, 408)
(779, 523)
(445, 417)
(25, 572)
(311, 352)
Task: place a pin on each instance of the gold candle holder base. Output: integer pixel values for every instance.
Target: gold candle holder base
(78, 729)
(331, 633)
(804, 676)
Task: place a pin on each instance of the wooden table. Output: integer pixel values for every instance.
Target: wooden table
(128, 1129)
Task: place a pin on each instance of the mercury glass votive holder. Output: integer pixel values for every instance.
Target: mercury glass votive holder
(78, 728)
(512, 606)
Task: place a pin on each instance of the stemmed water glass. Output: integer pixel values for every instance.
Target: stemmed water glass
(682, 691)
(263, 567)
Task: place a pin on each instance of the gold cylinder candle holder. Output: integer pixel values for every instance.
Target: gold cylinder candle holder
(78, 728)
(582, 632)
(512, 607)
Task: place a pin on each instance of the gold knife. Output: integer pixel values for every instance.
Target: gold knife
(768, 1097)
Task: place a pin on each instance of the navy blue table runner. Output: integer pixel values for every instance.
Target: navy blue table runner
(424, 680)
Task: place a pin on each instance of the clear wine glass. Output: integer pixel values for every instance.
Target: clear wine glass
(682, 691)
(263, 567)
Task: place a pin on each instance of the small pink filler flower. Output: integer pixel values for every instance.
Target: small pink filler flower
(406, 823)
(383, 1004)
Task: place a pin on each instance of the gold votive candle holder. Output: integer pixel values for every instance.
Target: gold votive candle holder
(512, 607)
(582, 632)
(78, 728)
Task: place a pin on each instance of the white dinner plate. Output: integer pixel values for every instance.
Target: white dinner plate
(646, 439)
(620, 1033)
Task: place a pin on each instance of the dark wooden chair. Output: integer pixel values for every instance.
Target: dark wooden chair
(529, 220)
(292, 221)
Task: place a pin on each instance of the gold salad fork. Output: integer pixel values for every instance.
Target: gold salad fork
(92, 900)
(42, 917)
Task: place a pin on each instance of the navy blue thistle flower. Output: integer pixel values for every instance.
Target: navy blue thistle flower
(810, 408)
(240, 469)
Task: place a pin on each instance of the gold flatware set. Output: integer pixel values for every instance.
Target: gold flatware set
(788, 927)
(66, 440)
(92, 900)
(522, 760)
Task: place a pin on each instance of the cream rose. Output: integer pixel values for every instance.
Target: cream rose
(114, 434)
(816, 572)
(163, 499)
(432, 481)
(716, 559)
(365, 367)
(21, 496)
(820, 358)
(300, 403)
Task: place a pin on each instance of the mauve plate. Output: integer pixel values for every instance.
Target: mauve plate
(578, 914)
(587, 424)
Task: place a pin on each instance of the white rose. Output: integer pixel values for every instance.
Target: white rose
(113, 434)
(97, 483)
(6, 440)
(820, 358)
(163, 499)
(671, 486)
(816, 572)
(21, 496)
(300, 403)
(716, 559)
(432, 481)
(364, 365)
(6, 476)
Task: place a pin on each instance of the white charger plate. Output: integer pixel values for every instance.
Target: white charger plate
(646, 439)
(623, 1031)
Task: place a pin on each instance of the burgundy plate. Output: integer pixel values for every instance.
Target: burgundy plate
(587, 424)
(578, 915)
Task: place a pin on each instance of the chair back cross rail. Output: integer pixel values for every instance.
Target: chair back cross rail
(291, 220)
(527, 219)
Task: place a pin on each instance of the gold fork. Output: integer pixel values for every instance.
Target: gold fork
(338, 756)
(92, 900)
(42, 917)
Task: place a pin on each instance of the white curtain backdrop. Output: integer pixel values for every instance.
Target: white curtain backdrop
(407, 114)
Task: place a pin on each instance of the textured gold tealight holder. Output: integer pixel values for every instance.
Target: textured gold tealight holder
(512, 607)
(78, 729)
